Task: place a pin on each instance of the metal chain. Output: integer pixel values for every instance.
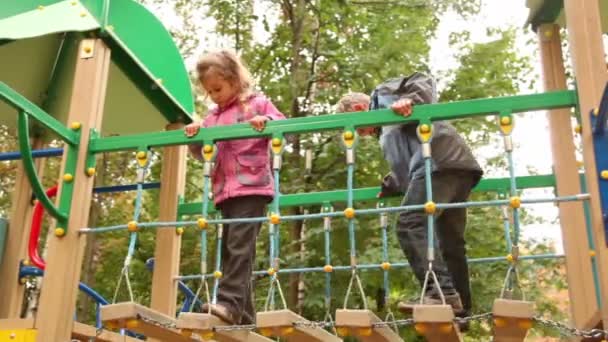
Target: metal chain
(479, 317)
(166, 325)
(235, 327)
(570, 331)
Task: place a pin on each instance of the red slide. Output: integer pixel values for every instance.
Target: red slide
(35, 230)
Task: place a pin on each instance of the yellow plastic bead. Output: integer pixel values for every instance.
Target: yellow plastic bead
(59, 232)
(365, 332)
(578, 129)
(275, 219)
(266, 332)
(524, 324)
(74, 3)
(84, 14)
(505, 121)
(26, 263)
(328, 268)
(112, 325)
(604, 174)
(287, 331)
(91, 171)
(424, 128)
(207, 149)
(500, 322)
(40, 7)
(141, 155)
(421, 328)
(446, 328)
(271, 271)
(349, 213)
(548, 33)
(348, 135)
(68, 177)
(276, 142)
(596, 111)
(202, 223)
(207, 335)
(22, 281)
(385, 265)
(75, 125)
(592, 253)
(510, 258)
(515, 202)
(430, 207)
(179, 231)
(132, 323)
(342, 331)
(132, 226)
(217, 274)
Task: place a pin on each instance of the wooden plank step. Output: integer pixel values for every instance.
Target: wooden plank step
(203, 325)
(280, 323)
(512, 319)
(142, 320)
(436, 323)
(360, 324)
(85, 333)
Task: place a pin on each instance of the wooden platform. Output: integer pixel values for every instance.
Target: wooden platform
(359, 323)
(142, 320)
(512, 319)
(436, 323)
(203, 324)
(80, 332)
(280, 323)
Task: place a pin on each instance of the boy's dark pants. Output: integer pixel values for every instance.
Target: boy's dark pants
(450, 264)
(238, 255)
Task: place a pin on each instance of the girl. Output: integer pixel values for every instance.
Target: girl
(242, 178)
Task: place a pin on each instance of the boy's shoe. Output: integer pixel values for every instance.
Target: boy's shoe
(220, 311)
(452, 299)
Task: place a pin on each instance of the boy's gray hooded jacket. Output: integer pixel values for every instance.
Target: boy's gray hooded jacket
(400, 143)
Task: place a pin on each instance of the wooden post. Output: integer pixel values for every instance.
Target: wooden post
(168, 243)
(11, 290)
(581, 290)
(587, 51)
(58, 297)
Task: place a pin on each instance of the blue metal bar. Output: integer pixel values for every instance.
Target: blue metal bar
(42, 153)
(128, 187)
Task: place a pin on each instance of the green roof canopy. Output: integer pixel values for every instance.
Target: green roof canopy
(552, 11)
(148, 84)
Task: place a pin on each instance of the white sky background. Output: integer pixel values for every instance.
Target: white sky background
(530, 135)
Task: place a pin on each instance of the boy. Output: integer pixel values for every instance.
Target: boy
(454, 173)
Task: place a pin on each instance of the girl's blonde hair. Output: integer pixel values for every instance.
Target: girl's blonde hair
(228, 65)
(347, 102)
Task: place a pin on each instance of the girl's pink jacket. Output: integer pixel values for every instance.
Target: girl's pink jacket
(242, 167)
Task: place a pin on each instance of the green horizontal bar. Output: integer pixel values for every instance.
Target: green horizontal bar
(21, 104)
(367, 194)
(440, 111)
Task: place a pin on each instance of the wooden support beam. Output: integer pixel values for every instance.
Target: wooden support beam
(436, 323)
(64, 261)
(204, 326)
(86, 333)
(512, 320)
(168, 243)
(283, 323)
(20, 219)
(142, 320)
(360, 324)
(583, 303)
(587, 51)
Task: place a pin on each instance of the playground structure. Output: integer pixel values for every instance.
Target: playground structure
(99, 67)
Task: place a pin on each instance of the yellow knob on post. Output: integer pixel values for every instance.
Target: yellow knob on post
(217, 274)
(425, 129)
(430, 207)
(132, 226)
(68, 177)
(202, 223)
(179, 231)
(75, 125)
(271, 271)
(349, 213)
(207, 149)
(59, 232)
(276, 142)
(275, 219)
(91, 171)
(515, 202)
(604, 174)
(505, 121)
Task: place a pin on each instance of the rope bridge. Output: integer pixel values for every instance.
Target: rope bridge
(511, 318)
